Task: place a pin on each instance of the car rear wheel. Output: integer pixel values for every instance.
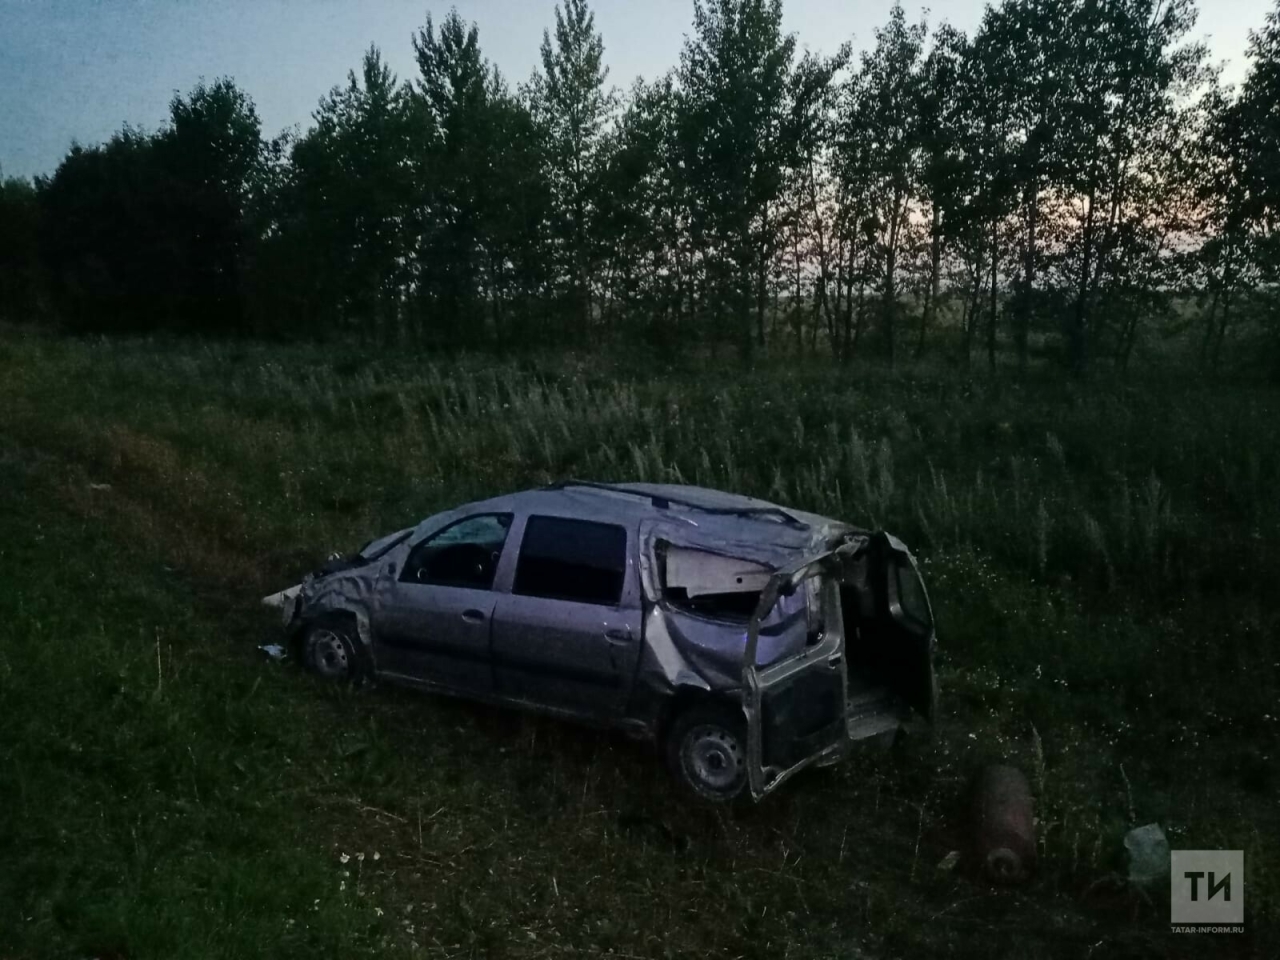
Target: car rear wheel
(707, 752)
(329, 651)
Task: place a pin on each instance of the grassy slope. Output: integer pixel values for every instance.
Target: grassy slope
(153, 775)
(1101, 561)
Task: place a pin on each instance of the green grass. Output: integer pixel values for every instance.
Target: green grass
(1101, 557)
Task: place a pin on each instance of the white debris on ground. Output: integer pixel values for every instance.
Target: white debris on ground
(1148, 851)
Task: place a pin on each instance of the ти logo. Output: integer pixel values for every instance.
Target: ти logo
(1207, 887)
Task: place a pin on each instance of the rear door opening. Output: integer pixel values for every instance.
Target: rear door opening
(889, 624)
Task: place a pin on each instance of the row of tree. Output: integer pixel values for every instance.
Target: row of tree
(1068, 180)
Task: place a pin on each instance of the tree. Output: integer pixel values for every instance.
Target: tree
(1260, 134)
(1072, 163)
(21, 272)
(453, 151)
(570, 100)
(211, 155)
(517, 216)
(1259, 125)
(981, 179)
(1126, 77)
(854, 162)
(886, 99)
(936, 113)
(146, 232)
(477, 165)
(814, 212)
(1237, 169)
(734, 75)
(350, 198)
(105, 237)
(1027, 46)
(645, 215)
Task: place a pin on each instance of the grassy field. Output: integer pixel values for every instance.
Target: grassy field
(1103, 559)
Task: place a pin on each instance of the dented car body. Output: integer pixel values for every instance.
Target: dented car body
(748, 640)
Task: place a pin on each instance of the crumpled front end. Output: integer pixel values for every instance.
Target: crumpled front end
(343, 585)
(349, 592)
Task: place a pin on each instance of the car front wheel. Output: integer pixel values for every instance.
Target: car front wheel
(707, 752)
(329, 651)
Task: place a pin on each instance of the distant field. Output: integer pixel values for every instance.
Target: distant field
(1103, 558)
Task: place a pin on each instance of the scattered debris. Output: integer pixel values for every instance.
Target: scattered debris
(1148, 850)
(99, 486)
(273, 650)
(1004, 825)
(948, 863)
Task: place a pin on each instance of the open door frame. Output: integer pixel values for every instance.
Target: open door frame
(827, 654)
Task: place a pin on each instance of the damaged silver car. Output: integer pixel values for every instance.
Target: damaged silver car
(747, 640)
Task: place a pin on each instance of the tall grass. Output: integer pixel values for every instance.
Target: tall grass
(1101, 557)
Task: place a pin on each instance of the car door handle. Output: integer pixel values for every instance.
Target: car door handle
(618, 636)
(473, 616)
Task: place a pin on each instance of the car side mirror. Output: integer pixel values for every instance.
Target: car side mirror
(391, 569)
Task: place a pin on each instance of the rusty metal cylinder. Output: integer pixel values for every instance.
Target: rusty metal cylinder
(1004, 833)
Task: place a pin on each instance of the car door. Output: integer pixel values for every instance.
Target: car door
(568, 633)
(796, 708)
(433, 618)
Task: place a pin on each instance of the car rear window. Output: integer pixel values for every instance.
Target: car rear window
(572, 560)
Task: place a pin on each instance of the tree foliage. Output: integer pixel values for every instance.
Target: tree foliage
(573, 107)
(21, 280)
(1071, 181)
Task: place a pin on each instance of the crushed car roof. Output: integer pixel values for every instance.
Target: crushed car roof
(684, 514)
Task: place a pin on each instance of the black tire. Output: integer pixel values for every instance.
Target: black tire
(706, 750)
(329, 648)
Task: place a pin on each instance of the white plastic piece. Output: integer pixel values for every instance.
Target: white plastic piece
(1148, 850)
(277, 601)
(700, 573)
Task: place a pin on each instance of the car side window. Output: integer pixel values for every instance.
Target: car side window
(576, 560)
(463, 554)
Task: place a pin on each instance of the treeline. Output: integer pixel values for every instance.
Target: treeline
(1070, 181)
